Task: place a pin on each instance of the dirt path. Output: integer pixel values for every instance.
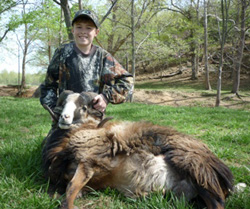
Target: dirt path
(12, 91)
(174, 97)
(187, 99)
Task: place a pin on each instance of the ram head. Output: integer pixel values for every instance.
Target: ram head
(73, 109)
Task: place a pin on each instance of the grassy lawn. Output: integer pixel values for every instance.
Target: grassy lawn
(24, 124)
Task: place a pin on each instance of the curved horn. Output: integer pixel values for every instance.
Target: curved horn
(88, 97)
(46, 107)
(63, 96)
(88, 101)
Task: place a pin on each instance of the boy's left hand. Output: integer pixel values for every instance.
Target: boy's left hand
(100, 103)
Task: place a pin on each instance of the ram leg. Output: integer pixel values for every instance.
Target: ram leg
(212, 200)
(80, 179)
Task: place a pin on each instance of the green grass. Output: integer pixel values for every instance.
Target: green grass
(24, 124)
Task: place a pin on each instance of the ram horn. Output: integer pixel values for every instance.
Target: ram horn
(88, 97)
(105, 120)
(63, 96)
(53, 115)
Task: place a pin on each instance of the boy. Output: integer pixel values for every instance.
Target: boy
(81, 66)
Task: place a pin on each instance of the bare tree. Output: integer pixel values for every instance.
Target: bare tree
(191, 13)
(240, 48)
(28, 38)
(225, 4)
(112, 30)
(61, 28)
(139, 21)
(208, 86)
(67, 16)
(109, 11)
(133, 42)
(80, 4)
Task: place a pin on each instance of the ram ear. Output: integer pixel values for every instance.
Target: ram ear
(63, 96)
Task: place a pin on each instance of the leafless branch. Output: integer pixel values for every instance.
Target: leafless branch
(140, 44)
(57, 2)
(5, 33)
(32, 38)
(19, 42)
(120, 23)
(173, 10)
(175, 6)
(108, 12)
(144, 7)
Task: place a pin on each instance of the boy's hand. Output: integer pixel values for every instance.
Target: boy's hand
(100, 103)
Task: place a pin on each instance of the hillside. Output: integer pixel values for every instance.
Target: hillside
(178, 90)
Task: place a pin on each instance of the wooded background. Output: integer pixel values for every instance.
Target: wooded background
(144, 35)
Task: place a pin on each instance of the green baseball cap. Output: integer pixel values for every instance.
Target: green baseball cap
(88, 14)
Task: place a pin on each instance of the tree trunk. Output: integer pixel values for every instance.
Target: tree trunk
(196, 42)
(194, 67)
(193, 57)
(49, 45)
(207, 82)
(133, 43)
(19, 66)
(80, 4)
(224, 11)
(25, 51)
(111, 35)
(61, 32)
(240, 48)
(218, 95)
(23, 81)
(67, 16)
(235, 39)
(126, 62)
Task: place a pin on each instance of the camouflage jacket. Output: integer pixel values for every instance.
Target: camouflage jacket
(97, 72)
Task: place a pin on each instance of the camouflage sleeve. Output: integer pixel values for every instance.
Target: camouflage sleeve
(117, 82)
(50, 85)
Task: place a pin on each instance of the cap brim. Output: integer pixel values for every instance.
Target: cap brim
(84, 15)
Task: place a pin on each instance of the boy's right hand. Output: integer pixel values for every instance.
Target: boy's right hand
(100, 103)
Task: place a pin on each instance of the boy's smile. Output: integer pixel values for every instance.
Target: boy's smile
(84, 33)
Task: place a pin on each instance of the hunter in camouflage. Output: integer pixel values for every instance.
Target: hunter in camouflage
(97, 71)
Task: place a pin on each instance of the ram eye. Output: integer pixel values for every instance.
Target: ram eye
(84, 108)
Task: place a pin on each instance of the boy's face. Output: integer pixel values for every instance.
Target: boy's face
(84, 31)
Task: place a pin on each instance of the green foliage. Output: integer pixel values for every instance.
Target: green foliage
(163, 37)
(22, 184)
(14, 22)
(48, 23)
(8, 22)
(7, 5)
(11, 78)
